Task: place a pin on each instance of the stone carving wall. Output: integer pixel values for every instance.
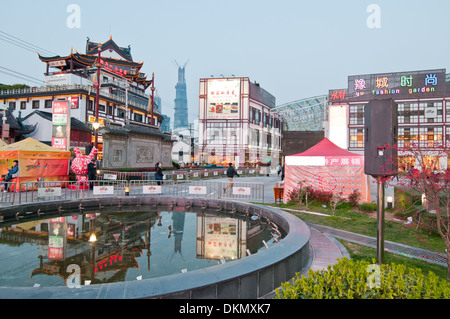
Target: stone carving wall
(135, 151)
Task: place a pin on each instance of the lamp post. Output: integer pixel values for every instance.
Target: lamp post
(153, 94)
(96, 125)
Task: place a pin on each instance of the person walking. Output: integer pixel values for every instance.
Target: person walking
(92, 173)
(159, 173)
(230, 174)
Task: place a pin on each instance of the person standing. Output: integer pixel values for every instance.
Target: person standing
(159, 173)
(92, 173)
(230, 174)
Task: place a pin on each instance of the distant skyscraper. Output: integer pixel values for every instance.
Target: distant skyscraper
(181, 107)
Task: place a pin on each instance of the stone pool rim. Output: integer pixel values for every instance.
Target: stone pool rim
(247, 278)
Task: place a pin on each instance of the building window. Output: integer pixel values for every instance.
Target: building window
(408, 113)
(137, 117)
(35, 104)
(447, 103)
(48, 104)
(406, 135)
(120, 113)
(430, 112)
(356, 138)
(447, 137)
(23, 105)
(90, 105)
(405, 163)
(430, 136)
(255, 137)
(357, 114)
(101, 108)
(12, 105)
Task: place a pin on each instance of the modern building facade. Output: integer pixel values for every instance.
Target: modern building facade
(123, 98)
(423, 105)
(237, 124)
(181, 116)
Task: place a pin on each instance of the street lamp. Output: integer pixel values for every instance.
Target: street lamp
(96, 125)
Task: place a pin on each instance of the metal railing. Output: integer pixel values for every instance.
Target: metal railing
(33, 192)
(182, 174)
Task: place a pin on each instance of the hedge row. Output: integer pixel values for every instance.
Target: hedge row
(348, 279)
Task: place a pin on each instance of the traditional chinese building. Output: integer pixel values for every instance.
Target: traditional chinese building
(123, 99)
(237, 124)
(423, 105)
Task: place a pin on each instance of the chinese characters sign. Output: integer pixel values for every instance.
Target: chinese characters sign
(61, 125)
(223, 99)
(392, 85)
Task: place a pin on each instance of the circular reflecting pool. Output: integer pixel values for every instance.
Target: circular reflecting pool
(124, 245)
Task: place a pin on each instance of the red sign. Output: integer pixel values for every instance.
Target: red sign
(60, 107)
(337, 95)
(61, 124)
(74, 102)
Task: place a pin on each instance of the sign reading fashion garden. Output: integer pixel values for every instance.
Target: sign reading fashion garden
(392, 85)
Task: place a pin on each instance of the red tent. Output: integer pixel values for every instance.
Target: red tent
(327, 167)
(326, 148)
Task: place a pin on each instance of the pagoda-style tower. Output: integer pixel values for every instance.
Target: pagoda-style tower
(181, 107)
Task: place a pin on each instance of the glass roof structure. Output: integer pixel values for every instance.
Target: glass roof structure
(304, 115)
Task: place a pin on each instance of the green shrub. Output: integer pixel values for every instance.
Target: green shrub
(348, 279)
(368, 207)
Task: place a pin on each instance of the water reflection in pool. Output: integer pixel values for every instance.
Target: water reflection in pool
(124, 246)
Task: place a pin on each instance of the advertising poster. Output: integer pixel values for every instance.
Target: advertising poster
(223, 99)
(221, 238)
(43, 167)
(61, 125)
(56, 239)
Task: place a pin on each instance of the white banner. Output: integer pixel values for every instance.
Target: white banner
(197, 190)
(103, 190)
(49, 191)
(242, 190)
(151, 189)
(110, 176)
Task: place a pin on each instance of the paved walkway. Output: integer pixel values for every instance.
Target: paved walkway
(395, 248)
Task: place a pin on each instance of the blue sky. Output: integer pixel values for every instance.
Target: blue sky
(294, 49)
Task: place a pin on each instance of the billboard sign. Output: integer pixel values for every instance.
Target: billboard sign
(427, 83)
(221, 238)
(223, 98)
(61, 125)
